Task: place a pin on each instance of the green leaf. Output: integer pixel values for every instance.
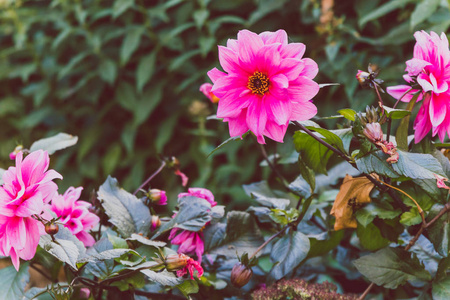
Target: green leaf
(370, 237)
(346, 135)
(383, 10)
(105, 255)
(441, 289)
(417, 165)
(200, 16)
(163, 277)
(126, 212)
(101, 268)
(262, 193)
(423, 11)
(108, 71)
(348, 113)
(321, 247)
(145, 241)
(401, 135)
(120, 6)
(13, 282)
(391, 267)
(396, 113)
(233, 138)
(188, 287)
(411, 217)
(130, 43)
(134, 281)
(443, 267)
(111, 159)
(194, 213)
(439, 232)
(314, 154)
(381, 210)
(240, 234)
(329, 137)
(287, 253)
(66, 247)
(145, 70)
(376, 163)
(74, 61)
(54, 143)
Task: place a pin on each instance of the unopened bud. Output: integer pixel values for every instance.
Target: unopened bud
(175, 262)
(362, 77)
(51, 228)
(157, 196)
(240, 275)
(13, 154)
(373, 132)
(156, 222)
(206, 90)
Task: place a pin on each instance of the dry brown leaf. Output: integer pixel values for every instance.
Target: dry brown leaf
(354, 192)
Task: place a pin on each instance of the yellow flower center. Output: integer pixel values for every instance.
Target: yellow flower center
(258, 83)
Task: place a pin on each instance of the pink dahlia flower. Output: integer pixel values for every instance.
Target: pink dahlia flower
(192, 241)
(158, 197)
(191, 266)
(206, 90)
(75, 214)
(430, 70)
(267, 84)
(27, 188)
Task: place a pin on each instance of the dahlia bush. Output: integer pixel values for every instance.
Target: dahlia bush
(366, 214)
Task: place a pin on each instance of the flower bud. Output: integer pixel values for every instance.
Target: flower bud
(175, 262)
(156, 222)
(13, 154)
(157, 196)
(51, 228)
(373, 132)
(362, 76)
(206, 90)
(240, 275)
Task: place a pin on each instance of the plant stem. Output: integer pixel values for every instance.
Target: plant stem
(411, 243)
(268, 241)
(163, 164)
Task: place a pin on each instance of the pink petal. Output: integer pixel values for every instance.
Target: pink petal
(302, 111)
(87, 239)
(275, 132)
(293, 50)
(267, 59)
(16, 232)
(279, 36)
(15, 259)
(230, 105)
(415, 66)
(422, 124)
(233, 45)
(215, 74)
(424, 81)
(33, 236)
(398, 90)
(281, 110)
(438, 108)
(291, 67)
(303, 89)
(311, 68)
(31, 206)
(249, 43)
(228, 60)
(238, 125)
(257, 117)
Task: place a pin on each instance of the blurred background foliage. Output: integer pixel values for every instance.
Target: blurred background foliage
(123, 75)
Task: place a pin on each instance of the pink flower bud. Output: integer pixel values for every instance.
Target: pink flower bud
(362, 76)
(175, 262)
(13, 154)
(373, 132)
(158, 197)
(156, 222)
(206, 90)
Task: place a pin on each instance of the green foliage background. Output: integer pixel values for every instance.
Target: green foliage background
(123, 76)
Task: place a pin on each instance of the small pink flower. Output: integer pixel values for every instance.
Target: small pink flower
(362, 76)
(266, 84)
(191, 266)
(156, 223)
(430, 69)
(206, 90)
(200, 193)
(12, 155)
(75, 214)
(27, 188)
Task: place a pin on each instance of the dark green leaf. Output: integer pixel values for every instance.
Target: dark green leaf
(120, 6)
(287, 253)
(145, 70)
(376, 163)
(417, 165)
(371, 238)
(130, 43)
(441, 289)
(382, 210)
(126, 212)
(383, 10)
(13, 282)
(411, 217)
(329, 137)
(108, 71)
(262, 193)
(314, 154)
(391, 267)
(188, 287)
(163, 277)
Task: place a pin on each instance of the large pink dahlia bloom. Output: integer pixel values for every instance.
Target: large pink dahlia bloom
(27, 188)
(74, 214)
(429, 75)
(267, 84)
(192, 241)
